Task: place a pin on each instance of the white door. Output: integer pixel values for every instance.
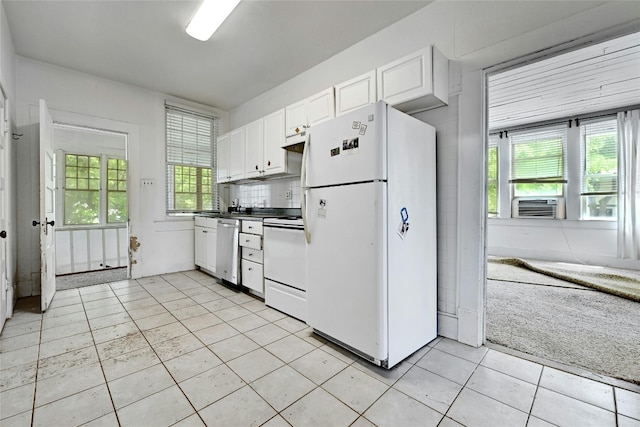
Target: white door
(4, 165)
(321, 107)
(254, 149)
(47, 208)
(348, 149)
(236, 154)
(346, 265)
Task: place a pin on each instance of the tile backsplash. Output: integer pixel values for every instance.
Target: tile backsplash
(279, 193)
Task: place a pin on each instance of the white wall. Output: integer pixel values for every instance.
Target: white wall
(166, 244)
(474, 35)
(7, 79)
(592, 242)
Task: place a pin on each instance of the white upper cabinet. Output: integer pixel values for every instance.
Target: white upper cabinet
(222, 156)
(254, 149)
(415, 82)
(296, 118)
(275, 158)
(321, 107)
(356, 93)
(263, 139)
(236, 156)
(308, 112)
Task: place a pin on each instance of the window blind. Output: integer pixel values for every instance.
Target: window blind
(190, 150)
(538, 156)
(538, 164)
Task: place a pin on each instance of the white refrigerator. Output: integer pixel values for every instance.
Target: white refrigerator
(369, 206)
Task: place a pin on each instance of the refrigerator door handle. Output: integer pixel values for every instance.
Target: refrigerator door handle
(303, 178)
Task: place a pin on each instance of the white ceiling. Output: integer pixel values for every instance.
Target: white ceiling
(142, 42)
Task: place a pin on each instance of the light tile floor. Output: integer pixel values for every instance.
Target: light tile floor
(181, 349)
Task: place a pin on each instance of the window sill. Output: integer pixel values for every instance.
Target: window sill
(553, 223)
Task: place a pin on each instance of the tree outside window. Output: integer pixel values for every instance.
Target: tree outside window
(117, 191)
(599, 167)
(82, 190)
(492, 181)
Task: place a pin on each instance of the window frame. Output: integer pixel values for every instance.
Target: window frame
(183, 149)
(583, 172)
(102, 190)
(539, 135)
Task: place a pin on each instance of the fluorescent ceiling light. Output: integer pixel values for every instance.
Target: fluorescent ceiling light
(209, 17)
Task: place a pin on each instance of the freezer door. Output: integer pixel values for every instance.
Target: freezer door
(348, 149)
(346, 266)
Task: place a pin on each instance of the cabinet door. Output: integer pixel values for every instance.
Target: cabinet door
(356, 93)
(223, 158)
(275, 157)
(201, 246)
(296, 118)
(406, 78)
(236, 156)
(321, 107)
(253, 276)
(254, 148)
(211, 243)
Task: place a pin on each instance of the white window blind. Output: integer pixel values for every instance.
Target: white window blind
(191, 164)
(599, 169)
(538, 165)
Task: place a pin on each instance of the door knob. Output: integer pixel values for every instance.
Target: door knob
(3, 234)
(51, 223)
(34, 222)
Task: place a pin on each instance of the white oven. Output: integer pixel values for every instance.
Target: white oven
(285, 266)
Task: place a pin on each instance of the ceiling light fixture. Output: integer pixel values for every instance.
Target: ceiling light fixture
(209, 17)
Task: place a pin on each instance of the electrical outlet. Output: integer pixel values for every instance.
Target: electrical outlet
(288, 195)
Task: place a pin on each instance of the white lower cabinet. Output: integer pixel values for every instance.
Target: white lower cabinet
(251, 264)
(206, 233)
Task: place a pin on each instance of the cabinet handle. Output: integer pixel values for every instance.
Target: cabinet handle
(256, 167)
(269, 163)
(204, 231)
(250, 268)
(250, 254)
(247, 241)
(250, 227)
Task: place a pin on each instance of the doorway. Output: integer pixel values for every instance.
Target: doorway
(6, 294)
(552, 203)
(91, 206)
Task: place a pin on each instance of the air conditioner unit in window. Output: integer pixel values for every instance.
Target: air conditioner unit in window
(538, 207)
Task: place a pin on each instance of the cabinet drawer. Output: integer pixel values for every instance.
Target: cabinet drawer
(200, 221)
(288, 300)
(212, 222)
(252, 276)
(252, 227)
(251, 241)
(254, 255)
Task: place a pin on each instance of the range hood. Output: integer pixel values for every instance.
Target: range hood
(295, 142)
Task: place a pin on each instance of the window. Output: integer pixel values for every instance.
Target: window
(191, 168)
(599, 169)
(84, 190)
(116, 191)
(492, 178)
(538, 162)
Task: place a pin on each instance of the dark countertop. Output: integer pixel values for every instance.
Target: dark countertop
(256, 213)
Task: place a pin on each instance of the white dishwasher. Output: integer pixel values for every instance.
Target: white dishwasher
(285, 266)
